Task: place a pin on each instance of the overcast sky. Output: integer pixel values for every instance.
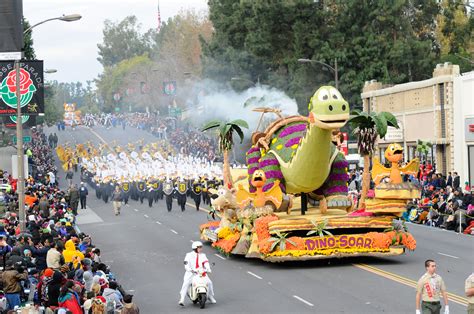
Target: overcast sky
(71, 48)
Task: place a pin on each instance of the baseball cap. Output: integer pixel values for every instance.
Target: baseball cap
(48, 272)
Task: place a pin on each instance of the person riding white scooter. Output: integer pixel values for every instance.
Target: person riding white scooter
(194, 261)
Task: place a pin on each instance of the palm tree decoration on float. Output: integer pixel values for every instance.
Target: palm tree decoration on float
(226, 132)
(423, 148)
(367, 127)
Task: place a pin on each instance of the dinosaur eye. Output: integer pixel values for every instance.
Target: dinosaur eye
(335, 94)
(323, 95)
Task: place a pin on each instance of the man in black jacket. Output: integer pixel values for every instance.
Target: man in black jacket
(83, 192)
(40, 252)
(456, 181)
(449, 181)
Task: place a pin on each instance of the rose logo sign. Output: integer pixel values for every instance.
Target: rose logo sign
(8, 89)
(24, 118)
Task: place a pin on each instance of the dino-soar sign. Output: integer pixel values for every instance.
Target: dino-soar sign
(31, 88)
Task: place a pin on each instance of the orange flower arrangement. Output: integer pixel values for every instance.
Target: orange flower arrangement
(261, 228)
(228, 243)
(409, 241)
(296, 240)
(385, 240)
(380, 240)
(264, 246)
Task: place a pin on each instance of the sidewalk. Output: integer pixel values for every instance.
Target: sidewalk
(6, 158)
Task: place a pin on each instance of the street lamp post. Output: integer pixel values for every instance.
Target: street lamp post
(334, 69)
(19, 126)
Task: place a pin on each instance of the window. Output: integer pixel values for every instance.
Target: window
(442, 112)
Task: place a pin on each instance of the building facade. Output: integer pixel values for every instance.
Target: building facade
(464, 127)
(425, 111)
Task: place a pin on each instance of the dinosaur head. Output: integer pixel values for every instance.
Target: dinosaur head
(258, 178)
(327, 109)
(394, 153)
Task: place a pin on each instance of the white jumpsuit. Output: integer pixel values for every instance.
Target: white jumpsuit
(192, 262)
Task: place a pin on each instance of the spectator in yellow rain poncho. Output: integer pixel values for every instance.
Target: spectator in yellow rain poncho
(71, 254)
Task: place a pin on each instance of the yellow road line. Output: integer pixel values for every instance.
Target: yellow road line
(406, 281)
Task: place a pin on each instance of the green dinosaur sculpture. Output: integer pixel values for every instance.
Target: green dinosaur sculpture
(299, 152)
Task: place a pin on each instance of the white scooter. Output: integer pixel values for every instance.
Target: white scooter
(197, 292)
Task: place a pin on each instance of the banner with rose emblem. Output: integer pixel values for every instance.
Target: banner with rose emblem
(27, 121)
(31, 87)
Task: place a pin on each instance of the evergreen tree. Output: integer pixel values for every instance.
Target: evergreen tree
(390, 41)
(29, 51)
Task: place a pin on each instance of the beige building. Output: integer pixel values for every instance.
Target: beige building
(424, 110)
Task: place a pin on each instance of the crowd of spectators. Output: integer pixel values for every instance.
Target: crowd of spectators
(185, 139)
(51, 267)
(444, 203)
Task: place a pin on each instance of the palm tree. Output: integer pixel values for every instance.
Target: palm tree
(226, 142)
(367, 126)
(423, 149)
(280, 239)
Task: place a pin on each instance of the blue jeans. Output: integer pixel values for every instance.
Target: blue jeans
(13, 300)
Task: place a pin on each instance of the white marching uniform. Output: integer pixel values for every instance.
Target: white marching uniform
(192, 262)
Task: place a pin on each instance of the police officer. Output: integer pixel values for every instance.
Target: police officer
(168, 190)
(83, 192)
(429, 290)
(196, 190)
(125, 191)
(181, 191)
(193, 262)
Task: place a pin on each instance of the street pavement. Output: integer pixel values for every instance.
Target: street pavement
(145, 248)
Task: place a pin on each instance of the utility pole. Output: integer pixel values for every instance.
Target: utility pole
(19, 151)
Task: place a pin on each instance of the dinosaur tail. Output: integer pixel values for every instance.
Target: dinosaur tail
(253, 156)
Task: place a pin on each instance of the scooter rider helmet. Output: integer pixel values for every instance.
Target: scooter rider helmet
(196, 244)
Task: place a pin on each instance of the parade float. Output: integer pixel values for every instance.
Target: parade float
(71, 115)
(293, 203)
